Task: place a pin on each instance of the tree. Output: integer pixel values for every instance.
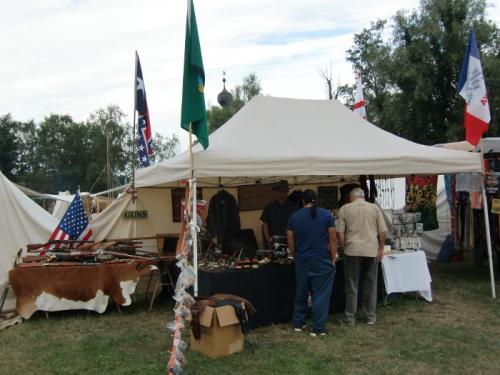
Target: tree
(17, 147)
(410, 80)
(217, 116)
(27, 164)
(370, 56)
(61, 155)
(71, 155)
(326, 74)
(251, 87)
(332, 90)
(491, 66)
(164, 147)
(9, 146)
(110, 147)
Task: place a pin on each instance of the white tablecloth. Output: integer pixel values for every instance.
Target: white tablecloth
(407, 272)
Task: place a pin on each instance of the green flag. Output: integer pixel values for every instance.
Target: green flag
(193, 98)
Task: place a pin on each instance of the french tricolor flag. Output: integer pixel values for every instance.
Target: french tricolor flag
(472, 88)
(359, 101)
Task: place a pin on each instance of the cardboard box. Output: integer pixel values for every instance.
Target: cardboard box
(220, 333)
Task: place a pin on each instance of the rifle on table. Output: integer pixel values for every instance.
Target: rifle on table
(153, 258)
(38, 246)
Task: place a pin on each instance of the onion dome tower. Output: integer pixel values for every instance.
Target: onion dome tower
(224, 98)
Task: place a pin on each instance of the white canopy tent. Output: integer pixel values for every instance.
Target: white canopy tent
(304, 141)
(278, 137)
(23, 222)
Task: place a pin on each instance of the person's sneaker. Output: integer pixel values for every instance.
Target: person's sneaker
(349, 323)
(300, 329)
(371, 322)
(314, 333)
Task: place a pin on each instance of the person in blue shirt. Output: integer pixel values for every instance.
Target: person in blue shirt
(311, 239)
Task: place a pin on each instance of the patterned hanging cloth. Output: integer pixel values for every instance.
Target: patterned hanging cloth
(421, 194)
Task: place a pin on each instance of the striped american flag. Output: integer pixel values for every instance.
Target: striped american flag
(73, 225)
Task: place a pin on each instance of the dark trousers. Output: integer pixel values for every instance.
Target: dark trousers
(360, 270)
(316, 276)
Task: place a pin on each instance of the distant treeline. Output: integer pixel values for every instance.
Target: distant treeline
(60, 154)
(411, 65)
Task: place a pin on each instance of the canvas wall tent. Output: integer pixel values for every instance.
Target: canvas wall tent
(22, 222)
(61, 202)
(112, 223)
(309, 142)
(93, 203)
(61, 206)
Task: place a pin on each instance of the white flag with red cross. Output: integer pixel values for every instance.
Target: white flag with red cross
(359, 101)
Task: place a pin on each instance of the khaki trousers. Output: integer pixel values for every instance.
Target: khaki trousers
(360, 271)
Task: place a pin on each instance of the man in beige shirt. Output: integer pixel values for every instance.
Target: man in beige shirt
(361, 229)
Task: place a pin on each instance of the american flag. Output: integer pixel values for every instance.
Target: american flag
(144, 126)
(73, 225)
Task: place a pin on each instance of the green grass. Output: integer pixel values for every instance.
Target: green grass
(459, 333)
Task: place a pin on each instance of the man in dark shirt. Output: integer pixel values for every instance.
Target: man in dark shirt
(276, 214)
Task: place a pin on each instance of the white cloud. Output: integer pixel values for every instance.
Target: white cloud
(74, 56)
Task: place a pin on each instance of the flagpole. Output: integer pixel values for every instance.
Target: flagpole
(191, 171)
(133, 127)
(194, 212)
(472, 88)
(487, 223)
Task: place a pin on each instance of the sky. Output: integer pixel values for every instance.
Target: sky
(75, 56)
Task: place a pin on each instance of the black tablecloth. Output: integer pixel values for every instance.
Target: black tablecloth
(271, 289)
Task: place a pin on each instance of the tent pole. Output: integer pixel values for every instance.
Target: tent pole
(488, 240)
(487, 224)
(191, 169)
(194, 212)
(195, 239)
(133, 129)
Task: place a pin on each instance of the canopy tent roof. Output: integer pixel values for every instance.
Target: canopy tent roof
(283, 138)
